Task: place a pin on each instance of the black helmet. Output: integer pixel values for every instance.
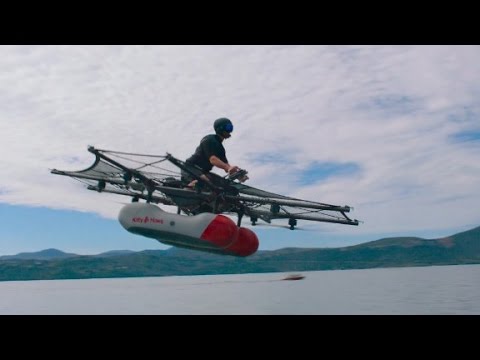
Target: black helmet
(223, 124)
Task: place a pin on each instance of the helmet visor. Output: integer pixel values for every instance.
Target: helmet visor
(229, 127)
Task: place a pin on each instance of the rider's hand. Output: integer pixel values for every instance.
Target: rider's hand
(233, 169)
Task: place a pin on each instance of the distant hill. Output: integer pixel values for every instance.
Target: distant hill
(115, 253)
(48, 254)
(462, 248)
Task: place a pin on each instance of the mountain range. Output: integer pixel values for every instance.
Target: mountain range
(461, 248)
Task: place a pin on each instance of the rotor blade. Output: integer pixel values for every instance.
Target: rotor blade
(154, 199)
(324, 218)
(138, 174)
(288, 202)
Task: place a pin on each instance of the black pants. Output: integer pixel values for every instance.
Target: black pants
(186, 177)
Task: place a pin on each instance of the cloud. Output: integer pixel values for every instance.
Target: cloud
(395, 127)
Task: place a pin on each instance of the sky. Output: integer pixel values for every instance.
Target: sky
(392, 131)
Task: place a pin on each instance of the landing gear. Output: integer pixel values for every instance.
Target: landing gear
(150, 186)
(292, 222)
(240, 216)
(101, 185)
(149, 196)
(254, 220)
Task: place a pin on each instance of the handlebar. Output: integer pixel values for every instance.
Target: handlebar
(238, 175)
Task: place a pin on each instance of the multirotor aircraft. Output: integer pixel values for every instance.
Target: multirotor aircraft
(199, 222)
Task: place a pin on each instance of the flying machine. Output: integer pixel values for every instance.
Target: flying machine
(201, 220)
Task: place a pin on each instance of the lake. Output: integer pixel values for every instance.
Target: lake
(414, 290)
